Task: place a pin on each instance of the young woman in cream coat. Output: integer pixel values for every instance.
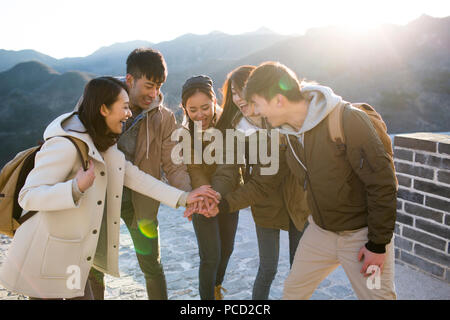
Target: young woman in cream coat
(77, 224)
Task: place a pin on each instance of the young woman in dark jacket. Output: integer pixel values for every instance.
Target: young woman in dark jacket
(215, 236)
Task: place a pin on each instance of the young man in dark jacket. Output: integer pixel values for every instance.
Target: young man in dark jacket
(351, 192)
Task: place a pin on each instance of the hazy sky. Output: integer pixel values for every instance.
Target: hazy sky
(66, 28)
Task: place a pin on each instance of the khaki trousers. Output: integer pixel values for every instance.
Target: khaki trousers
(320, 252)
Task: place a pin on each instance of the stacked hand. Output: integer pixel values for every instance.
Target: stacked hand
(203, 200)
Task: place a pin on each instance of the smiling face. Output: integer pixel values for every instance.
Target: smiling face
(143, 91)
(200, 107)
(246, 108)
(117, 114)
(268, 109)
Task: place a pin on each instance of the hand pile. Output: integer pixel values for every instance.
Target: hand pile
(203, 200)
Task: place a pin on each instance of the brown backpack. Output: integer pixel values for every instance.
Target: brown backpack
(12, 179)
(336, 131)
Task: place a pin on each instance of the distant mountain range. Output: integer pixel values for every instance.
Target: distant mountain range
(403, 71)
(180, 54)
(31, 95)
(8, 59)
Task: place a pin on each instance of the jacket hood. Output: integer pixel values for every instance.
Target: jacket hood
(154, 105)
(322, 101)
(69, 124)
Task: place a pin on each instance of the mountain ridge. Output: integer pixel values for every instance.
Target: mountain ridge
(403, 71)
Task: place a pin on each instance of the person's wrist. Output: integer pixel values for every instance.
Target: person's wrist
(182, 200)
(375, 248)
(76, 193)
(76, 186)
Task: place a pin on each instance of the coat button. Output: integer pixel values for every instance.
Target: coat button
(102, 173)
(120, 168)
(115, 246)
(115, 222)
(117, 196)
(94, 231)
(99, 202)
(88, 258)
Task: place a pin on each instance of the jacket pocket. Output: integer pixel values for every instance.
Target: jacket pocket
(59, 254)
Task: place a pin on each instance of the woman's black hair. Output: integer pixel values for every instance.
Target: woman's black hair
(99, 91)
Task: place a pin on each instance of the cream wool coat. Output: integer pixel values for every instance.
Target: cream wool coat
(64, 233)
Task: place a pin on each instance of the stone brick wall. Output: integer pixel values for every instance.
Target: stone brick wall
(422, 229)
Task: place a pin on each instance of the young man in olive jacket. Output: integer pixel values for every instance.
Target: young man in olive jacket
(351, 192)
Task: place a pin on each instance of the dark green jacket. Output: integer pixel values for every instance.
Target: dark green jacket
(351, 188)
(273, 198)
(266, 194)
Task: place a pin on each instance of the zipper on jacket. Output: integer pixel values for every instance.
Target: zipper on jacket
(364, 160)
(315, 203)
(306, 177)
(310, 185)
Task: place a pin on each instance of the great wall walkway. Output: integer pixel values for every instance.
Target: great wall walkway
(180, 260)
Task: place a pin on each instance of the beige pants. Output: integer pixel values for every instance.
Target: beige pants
(320, 252)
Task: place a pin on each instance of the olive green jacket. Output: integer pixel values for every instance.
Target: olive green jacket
(344, 189)
(273, 198)
(265, 194)
(351, 188)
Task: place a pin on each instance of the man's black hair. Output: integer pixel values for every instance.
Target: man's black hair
(147, 62)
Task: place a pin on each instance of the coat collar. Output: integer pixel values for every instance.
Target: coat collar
(69, 124)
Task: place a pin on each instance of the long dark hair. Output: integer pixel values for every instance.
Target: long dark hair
(239, 77)
(99, 91)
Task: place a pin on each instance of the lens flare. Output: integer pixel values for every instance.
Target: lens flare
(148, 228)
(143, 250)
(284, 84)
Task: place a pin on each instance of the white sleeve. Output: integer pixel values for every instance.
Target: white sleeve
(149, 186)
(46, 187)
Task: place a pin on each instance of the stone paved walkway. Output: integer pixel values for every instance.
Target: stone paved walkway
(180, 260)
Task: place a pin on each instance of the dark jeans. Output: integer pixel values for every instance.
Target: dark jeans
(269, 252)
(146, 245)
(215, 238)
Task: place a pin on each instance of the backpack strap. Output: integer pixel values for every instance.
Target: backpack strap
(82, 150)
(335, 128)
(26, 216)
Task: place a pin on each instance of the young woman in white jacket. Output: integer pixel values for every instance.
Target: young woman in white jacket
(52, 252)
